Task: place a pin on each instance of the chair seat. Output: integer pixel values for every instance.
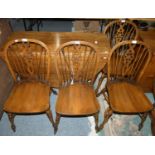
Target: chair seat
(77, 99)
(128, 98)
(28, 97)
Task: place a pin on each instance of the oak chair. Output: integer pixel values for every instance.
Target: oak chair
(126, 64)
(28, 61)
(121, 30)
(76, 65)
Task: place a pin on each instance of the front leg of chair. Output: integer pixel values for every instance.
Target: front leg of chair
(11, 117)
(50, 116)
(152, 117)
(57, 123)
(107, 114)
(96, 121)
(1, 115)
(143, 118)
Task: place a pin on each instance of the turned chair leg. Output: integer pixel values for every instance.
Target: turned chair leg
(143, 118)
(57, 123)
(50, 117)
(11, 117)
(96, 121)
(107, 114)
(152, 118)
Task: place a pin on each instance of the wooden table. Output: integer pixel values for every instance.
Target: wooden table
(54, 39)
(149, 74)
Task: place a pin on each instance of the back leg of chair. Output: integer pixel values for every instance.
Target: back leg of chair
(50, 116)
(143, 118)
(107, 114)
(11, 117)
(96, 121)
(57, 123)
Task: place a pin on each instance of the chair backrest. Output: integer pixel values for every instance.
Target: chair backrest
(27, 59)
(76, 62)
(128, 60)
(121, 30)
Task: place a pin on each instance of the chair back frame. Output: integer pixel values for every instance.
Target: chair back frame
(25, 62)
(128, 60)
(76, 62)
(121, 30)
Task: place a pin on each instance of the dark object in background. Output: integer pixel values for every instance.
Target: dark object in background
(144, 26)
(30, 23)
(141, 25)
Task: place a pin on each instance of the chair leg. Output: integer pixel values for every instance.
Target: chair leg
(107, 114)
(50, 116)
(57, 123)
(96, 121)
(11, 117)
(143, 118)
(152, 118)
(1, 115)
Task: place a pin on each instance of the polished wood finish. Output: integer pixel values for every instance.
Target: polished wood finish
(128, 61)
(148, 77)
(76, 61)
(76, 95)
(28, 62)
(77, 99)
(27, 59)
(121, 30)
(28, 97)
(127, 98)
(124, 94)
(54, 39)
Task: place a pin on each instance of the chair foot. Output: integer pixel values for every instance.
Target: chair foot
(107, 114)
(11, 117)
(56, 123)
(96, 121)
(50, 117)
(143, 118)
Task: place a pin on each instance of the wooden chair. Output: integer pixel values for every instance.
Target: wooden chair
(121, 30)
(28, 62)
(126, 65)
(76, 65)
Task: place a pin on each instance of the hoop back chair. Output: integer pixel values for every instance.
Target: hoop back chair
(121, 30)
(126, 64)
(28, 61)
(76, 65)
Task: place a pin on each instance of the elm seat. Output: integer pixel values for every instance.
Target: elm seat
(28, 97)
(77, 99)
(126, 98)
